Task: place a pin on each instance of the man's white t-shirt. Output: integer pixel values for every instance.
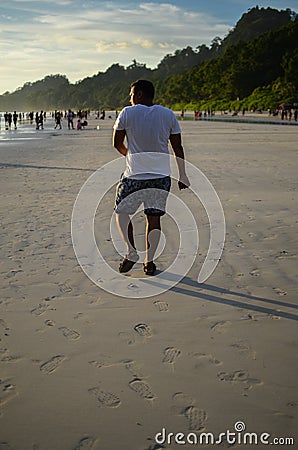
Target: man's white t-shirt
(148, 129)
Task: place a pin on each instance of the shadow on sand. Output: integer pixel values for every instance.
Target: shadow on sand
(211, 293)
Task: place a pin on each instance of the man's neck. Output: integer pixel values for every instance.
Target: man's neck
(146, 103)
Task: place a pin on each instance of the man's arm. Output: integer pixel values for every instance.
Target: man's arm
(118, 141)
(176, 143)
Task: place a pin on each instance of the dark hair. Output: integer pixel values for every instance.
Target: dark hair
(145, 86)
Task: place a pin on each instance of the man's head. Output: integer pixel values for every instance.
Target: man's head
(141, 92)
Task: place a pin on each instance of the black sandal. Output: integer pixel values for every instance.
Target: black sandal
(149, 268)
(127, 263)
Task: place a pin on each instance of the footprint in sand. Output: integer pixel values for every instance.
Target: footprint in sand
(7, 358)
(279, 291)
(54, 271)
(13, 273)
(4, 327)
(40, 309)
(69, 333)
(86, 443)
(196, 418)
(101, 364)
(143, 330)
(161, 306)
(185, 405)
(254, 273)
(206, 359)
(106, 399)
(240, 275)
(142, 389)
(170, 355)
(95, 301)
(240, 376)
(221, 327)
(252, 235)
(237, 376)
(49, 323)
(270, 237)
(52, 364)
(292, 404)
(65, 288)
(7, 391)
(245, 349)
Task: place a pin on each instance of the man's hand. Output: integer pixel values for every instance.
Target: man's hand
(183, 183)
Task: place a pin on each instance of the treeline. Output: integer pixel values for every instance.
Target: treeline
(255, 65)
(261, 73)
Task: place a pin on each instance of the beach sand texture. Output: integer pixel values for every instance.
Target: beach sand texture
(84, 369)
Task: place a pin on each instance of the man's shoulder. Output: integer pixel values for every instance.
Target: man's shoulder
(125, 109)
(165, 111)
(162, 108)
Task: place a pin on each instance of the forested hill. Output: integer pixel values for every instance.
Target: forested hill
(255, 64)
(261, 73)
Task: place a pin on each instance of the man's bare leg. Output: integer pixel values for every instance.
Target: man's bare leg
(153, 228)
(126, 232)
(125, 229)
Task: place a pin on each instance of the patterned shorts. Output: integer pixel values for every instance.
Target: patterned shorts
(152, 192)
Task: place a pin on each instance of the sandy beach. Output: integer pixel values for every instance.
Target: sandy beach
(84, 369)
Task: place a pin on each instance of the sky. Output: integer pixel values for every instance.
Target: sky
(79, 38)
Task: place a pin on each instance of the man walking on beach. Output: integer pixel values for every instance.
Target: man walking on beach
(148, 128)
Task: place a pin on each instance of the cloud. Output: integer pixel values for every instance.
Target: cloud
(144, 43)
(37, 38)
(107, 47)
(163, 8)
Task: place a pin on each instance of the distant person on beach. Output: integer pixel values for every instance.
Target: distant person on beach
(70, 117)
(9, 120)
(15, 119)
(41, 118)
(148, 128)
(6, 120)
(37, 121)
(58, 120)
(81, 124)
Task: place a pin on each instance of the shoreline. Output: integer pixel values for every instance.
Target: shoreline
(249, 118)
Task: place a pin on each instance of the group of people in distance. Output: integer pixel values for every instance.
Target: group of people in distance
(39, 117)
(70, 116)
(10, 119)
